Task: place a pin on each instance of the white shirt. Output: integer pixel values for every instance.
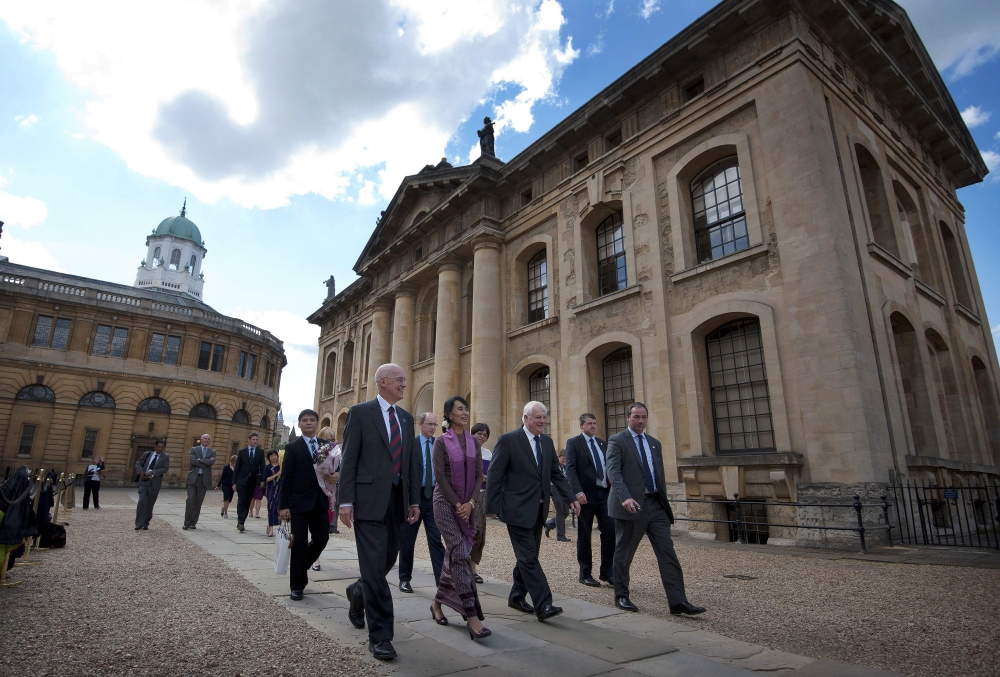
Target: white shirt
(601, 481)
(649, 453)
(384, 406)
(203, 452)
(531, 442)
(252, 451)
(152, 461)
(94, 468)
(309, 445)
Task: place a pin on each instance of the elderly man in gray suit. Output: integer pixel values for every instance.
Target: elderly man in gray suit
(150, 468)
(638, 503)
(199, 479)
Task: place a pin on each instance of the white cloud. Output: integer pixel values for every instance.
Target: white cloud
(996, 330)
(649, 8)
(21, 211)
(29, 253)
(608, 11)
(597, 46)
(975, 116)
(257, 101)
(992, 160)
(960, 35)
(25, 120)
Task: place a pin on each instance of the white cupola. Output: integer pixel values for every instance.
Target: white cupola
(173, 258)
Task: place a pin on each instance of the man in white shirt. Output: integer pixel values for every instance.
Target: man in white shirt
(587, 472)
(150, 469)
(199, 479)
(423, 445)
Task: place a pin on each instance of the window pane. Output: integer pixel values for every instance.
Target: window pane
(118, 342)
(205, 355)
(538, 391)
(173, 348)
(741, 410)
(27, 439)
(89, 443)
(60, 337)
(250, 365)
(156, 348)
(42, 330)
(217, 358)
(618, 389)
(611, 272)
(101, 339)
(717, 205)
(242, 366)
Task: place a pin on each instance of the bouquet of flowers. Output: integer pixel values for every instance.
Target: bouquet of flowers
(327, 465)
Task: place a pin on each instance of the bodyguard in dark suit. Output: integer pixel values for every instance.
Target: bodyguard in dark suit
(422, 446)
(150, 468)
(247, 473)
(379, 493)
(587, 472)
(523, 469)
(301, 500)
(638, 503)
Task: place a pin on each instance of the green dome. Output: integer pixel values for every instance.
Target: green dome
(180, 227)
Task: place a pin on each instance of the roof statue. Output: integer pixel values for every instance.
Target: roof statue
(486, 138)
(331, 288)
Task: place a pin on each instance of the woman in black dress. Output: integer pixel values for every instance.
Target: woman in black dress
(272, 483)
(226, 484)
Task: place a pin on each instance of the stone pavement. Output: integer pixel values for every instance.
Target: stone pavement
(588, 639)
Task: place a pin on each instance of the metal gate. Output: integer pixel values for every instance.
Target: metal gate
(930, 514)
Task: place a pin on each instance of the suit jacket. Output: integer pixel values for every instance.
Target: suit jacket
(159, 470)
(580, 469)
(515, 483)
(418, 451)
(247, 472)
(627, 478)
(299, 486)
(366, 466)
(203, 462)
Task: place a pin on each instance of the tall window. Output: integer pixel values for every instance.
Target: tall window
(538, 288)
(741, 407)
(269, 372)
(955, 267)
(619, 391)
(245, 369)
(89, 443)
(210, 357)
(27, 439)
(538, 391)
(194, 259)
(156, 255)
(611, 255)
(163, 348)
(49, 334)
(110, 342)
(175, 259)
(329, 373)
(347, 366)
(876, 201)
(720, 223)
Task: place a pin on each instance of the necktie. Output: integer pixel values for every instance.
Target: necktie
(312, 449)
(152, 462)
(647, 472)
(251, 453)
(538, 453)
(428, 470)
(395, 445)
(601, 477)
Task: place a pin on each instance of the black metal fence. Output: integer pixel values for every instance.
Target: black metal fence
(930, 514)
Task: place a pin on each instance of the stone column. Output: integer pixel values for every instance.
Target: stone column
(447, 362)
(487, 377)
(403, 336)
(381, 321)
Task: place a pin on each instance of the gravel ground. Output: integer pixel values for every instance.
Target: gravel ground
(121, 602)
(920, 620)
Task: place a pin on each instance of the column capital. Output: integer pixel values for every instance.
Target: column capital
(486, 241)
(405, 290)
(382, 304)
(450, 263)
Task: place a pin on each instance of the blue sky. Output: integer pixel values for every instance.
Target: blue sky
(287, 132)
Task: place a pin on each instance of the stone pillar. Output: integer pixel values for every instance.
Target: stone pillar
(381, 321)
(447, 362)
(486, 374)
(403, 336)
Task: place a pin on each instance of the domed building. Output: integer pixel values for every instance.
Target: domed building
(92, 368)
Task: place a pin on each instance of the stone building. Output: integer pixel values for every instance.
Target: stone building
(92, 368)
(755, 231)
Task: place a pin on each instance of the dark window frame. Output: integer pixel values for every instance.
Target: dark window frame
(612, 272)
(715, 235)
(618, 386)
(89, 443)
(538, 287)
(28, 431)
(540, 390)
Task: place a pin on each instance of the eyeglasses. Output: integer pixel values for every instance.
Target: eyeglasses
(401, 379)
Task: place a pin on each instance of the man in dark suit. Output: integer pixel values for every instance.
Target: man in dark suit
(301, 500)
(523, 470)
(150, 468)
(246, 477)
(379, 493)
(199, 479)
(638, 503)
(587, 472)
(423, 445)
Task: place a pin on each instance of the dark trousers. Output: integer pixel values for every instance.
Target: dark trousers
(378, 547)
(196, 496)
(528, 575)
(606, 526)
(147, 499)
(651, 521)
(409, 540)
(315, 523)
(91, 487)
(558, 522)
(245, 497)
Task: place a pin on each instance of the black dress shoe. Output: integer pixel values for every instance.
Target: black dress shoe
(138, 528)
(686, 608)
(240, 526)
(296, 595)
(382, 650)
(404, 586)
(563, 539)
(548, 611)
(316, 567)
(185, 527)
(589, 580)
(521, 605)
(356, 612)
(547, 530)
(625, 604)
(145, 528)
(605, 579)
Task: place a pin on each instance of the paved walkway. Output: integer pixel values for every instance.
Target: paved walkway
(588, 639)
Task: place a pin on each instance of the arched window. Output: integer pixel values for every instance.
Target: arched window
(909, 219)
(538, 391)
(876, 202)
(949, 400)
(720, 222)
(265, 423)
(347, 368)
(36, 393)
(538, 287)
(619, 391)
(953, 254)
(241, 416)
(988, 403)
(194, 259)
(202, 410)
(154, 405)
(175, 259)
(97, 399)
(911, 373)
(741, 407)
(329, 372)
(611, 255)
(156, 255)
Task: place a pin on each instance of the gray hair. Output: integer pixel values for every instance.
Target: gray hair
(380, 373)
(529, 408)
(423, 417)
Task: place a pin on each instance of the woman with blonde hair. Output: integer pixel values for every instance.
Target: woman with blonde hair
(327, 433)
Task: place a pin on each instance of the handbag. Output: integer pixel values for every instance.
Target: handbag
(282, 549)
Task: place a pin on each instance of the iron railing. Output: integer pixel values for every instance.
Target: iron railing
(931, 514)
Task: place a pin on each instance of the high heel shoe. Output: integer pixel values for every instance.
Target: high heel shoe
(440, 620)
(482, 634)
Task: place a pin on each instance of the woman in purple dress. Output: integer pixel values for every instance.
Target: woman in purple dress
(458, 468)
(272, 481)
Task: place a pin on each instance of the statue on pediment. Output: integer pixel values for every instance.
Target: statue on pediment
(486, 138)
(331, 288)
